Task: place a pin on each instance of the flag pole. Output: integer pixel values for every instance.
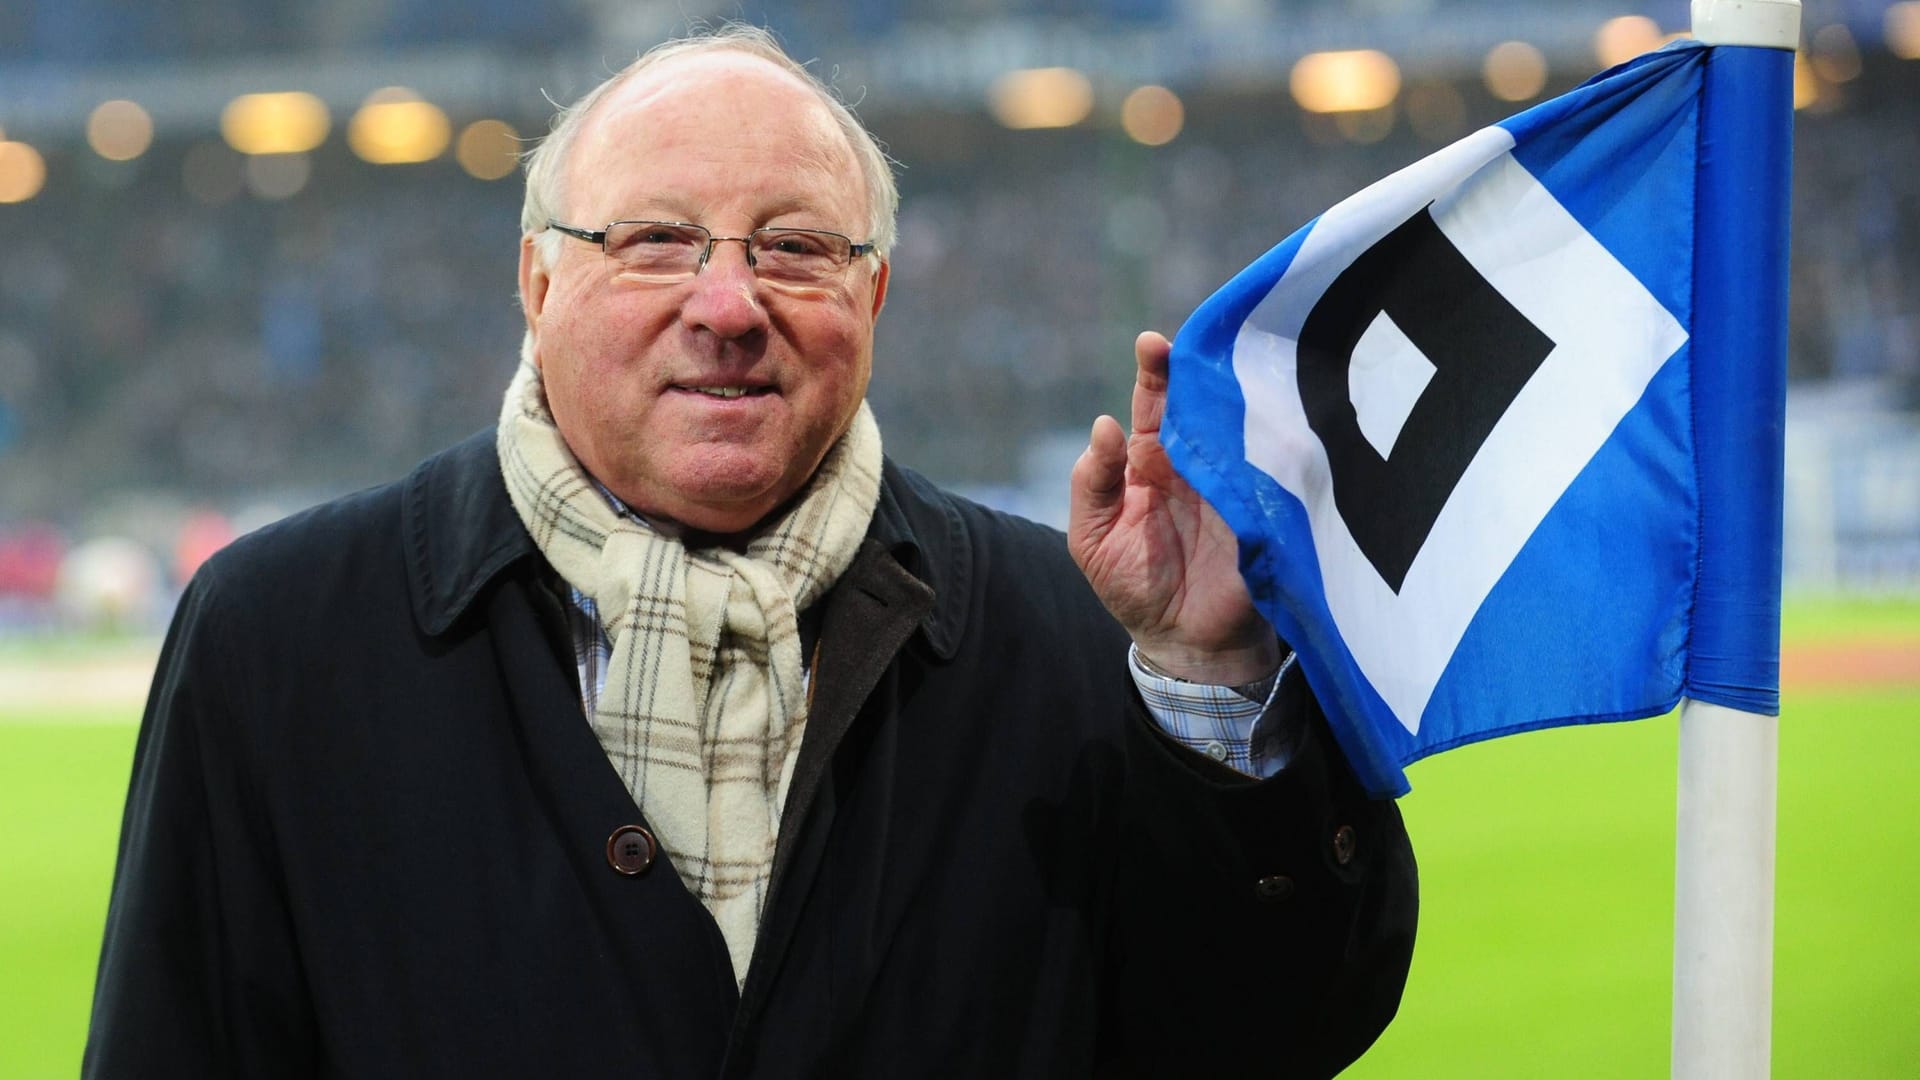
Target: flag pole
(1724, 851)
(1723, 894)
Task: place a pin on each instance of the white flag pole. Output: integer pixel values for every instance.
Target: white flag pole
(1724, 860)
(1723, 894)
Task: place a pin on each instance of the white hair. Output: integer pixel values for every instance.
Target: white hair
(546, 163)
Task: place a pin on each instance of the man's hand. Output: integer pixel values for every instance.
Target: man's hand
(1157, 555)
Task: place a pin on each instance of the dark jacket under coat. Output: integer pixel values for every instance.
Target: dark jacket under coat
(367, 834)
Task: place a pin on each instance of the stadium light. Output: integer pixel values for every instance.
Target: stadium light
(119, 130)
(1356, 81)
(1901, 26)
(23, 172)
(1053, 97)
(1514, 71)
(1621, 39)
(1152, 115)
(291, 122)
(1835, 55)
(488, 149)
(395, 127)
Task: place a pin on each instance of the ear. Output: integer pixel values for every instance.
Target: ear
(534, 280)
(880, 288)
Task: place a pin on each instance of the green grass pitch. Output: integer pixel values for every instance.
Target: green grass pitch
(63, 780)
(1546, 935)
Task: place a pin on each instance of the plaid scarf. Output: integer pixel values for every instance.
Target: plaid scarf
(705, 699)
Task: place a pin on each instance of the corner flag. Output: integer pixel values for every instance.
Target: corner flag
(1500, 435)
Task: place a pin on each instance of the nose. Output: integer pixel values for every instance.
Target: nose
(725, 296)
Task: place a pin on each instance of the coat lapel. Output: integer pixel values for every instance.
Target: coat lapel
(912, 574)
(869, 616)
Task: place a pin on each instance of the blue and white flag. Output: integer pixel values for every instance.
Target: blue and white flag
(1500, 434)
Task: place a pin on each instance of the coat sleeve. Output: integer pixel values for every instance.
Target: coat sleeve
(1263, 928)
(198, 971)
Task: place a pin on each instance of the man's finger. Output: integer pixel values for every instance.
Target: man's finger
(1098, 486)
(1150, 354)
(1099, 473)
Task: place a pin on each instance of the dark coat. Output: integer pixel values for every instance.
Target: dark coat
(367, 834)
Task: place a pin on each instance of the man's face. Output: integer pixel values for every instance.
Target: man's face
(634, 371)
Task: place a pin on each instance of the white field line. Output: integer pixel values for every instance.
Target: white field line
(90, 687)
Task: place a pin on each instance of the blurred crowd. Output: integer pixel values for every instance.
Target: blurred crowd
(182, 360)
(91, 31)
(113, 31)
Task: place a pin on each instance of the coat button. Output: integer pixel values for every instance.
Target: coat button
(630, 850)
(1344, 842)
(1275, 889)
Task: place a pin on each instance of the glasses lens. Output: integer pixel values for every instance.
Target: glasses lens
(657, 248)
(799, 254)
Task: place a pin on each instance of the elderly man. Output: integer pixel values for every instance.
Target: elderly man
(671, 730)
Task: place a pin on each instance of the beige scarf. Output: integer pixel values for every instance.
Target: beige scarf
(705, 699)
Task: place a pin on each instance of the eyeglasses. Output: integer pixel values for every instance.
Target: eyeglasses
(668, 251)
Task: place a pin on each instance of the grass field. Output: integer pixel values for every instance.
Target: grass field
(1547, 881)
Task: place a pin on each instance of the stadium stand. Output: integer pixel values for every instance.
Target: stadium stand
(189, 329)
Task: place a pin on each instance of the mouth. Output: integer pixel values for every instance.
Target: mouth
(726, 392)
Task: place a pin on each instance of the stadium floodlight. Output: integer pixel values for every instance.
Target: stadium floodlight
(1054, 97)
(488, 149)
(22, 172)
(1152, 115)
(1354, 81)
(1834, 53)
(1514, 71)
(289, 122)
(1621, 39)
(396, 127)
(1901, 26)
(119, 130)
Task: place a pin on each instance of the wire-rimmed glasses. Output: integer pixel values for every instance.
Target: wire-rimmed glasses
(668, 251)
